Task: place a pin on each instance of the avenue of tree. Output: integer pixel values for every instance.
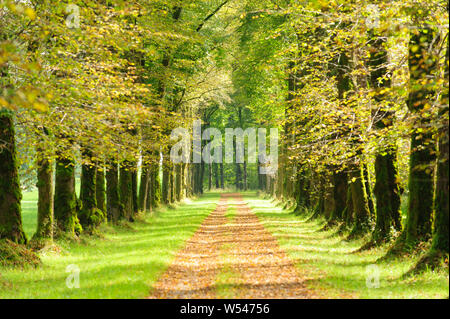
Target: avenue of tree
(358, 90)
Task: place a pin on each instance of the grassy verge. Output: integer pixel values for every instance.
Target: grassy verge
(333, 266)
(29, 212)
(124, 263)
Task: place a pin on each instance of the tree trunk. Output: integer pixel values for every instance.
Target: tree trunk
(90, 216)
(387, 193)
(441, 235)
(222, 177)
(238, 177)
(387, 188)
(100, 190)
(210, 176)
(340, 185)
(134, 187)
(422, 64)
(166, 182)
(143, 188)
(202, 176)
(10, 193)
(216, 175)
(178, 182)
(114, 208)
(126, 190)
(368, 189)
(245, 182)
(65, 201)
(172, 185)
(154, 187)
(45, 200)
(361, 212)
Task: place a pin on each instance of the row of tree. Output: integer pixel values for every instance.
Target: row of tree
(364, 91)
(100, 85)
(359, 91)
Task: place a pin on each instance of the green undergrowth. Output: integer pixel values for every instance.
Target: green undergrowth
(121, 261)
(14, 255)
(334, 266)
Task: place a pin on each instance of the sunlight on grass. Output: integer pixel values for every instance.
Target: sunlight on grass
(123, 264)
(334, 265)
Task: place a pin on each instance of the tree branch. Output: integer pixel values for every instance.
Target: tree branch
(211, 15)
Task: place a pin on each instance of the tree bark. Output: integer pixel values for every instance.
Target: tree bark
(114, 208)
(216, 175)
(210, 176)
(340, 185)
(422, 64)
(65, 201)
(90, 216)
(134, 188)
(222, 177)
(387, 188)
(441, 222)
(143, 188)
(126, 190)
(45, 200)
(10, 193)
(361, 212)
(100, 190)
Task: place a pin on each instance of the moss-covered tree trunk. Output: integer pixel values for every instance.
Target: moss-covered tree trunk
(329, 203)
(44, 185)
(368, 189)
(360, 206)
(301, 191)
(184, 180)
(387, 192)
(216, 175)
(100, 190)
(172, 184)
(134, 188)
(65, 201)
(126, 190)
(114, 207)
(422, 64)
(150, 191)
(178, 182)
(90, 216)
(10, 193)
(165, 195)
(387, 188)
(340, 184)
(222, 176)
(143, 188)
(441, 222)
(155, 187)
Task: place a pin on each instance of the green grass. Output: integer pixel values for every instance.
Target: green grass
(231, 212)
(29, 212)
(123, 264)
(335, 268)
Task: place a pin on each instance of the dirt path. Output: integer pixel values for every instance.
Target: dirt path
(232, 258)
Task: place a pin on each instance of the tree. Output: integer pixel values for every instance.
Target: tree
(10, 193)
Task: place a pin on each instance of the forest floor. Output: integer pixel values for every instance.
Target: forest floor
(219, 246)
